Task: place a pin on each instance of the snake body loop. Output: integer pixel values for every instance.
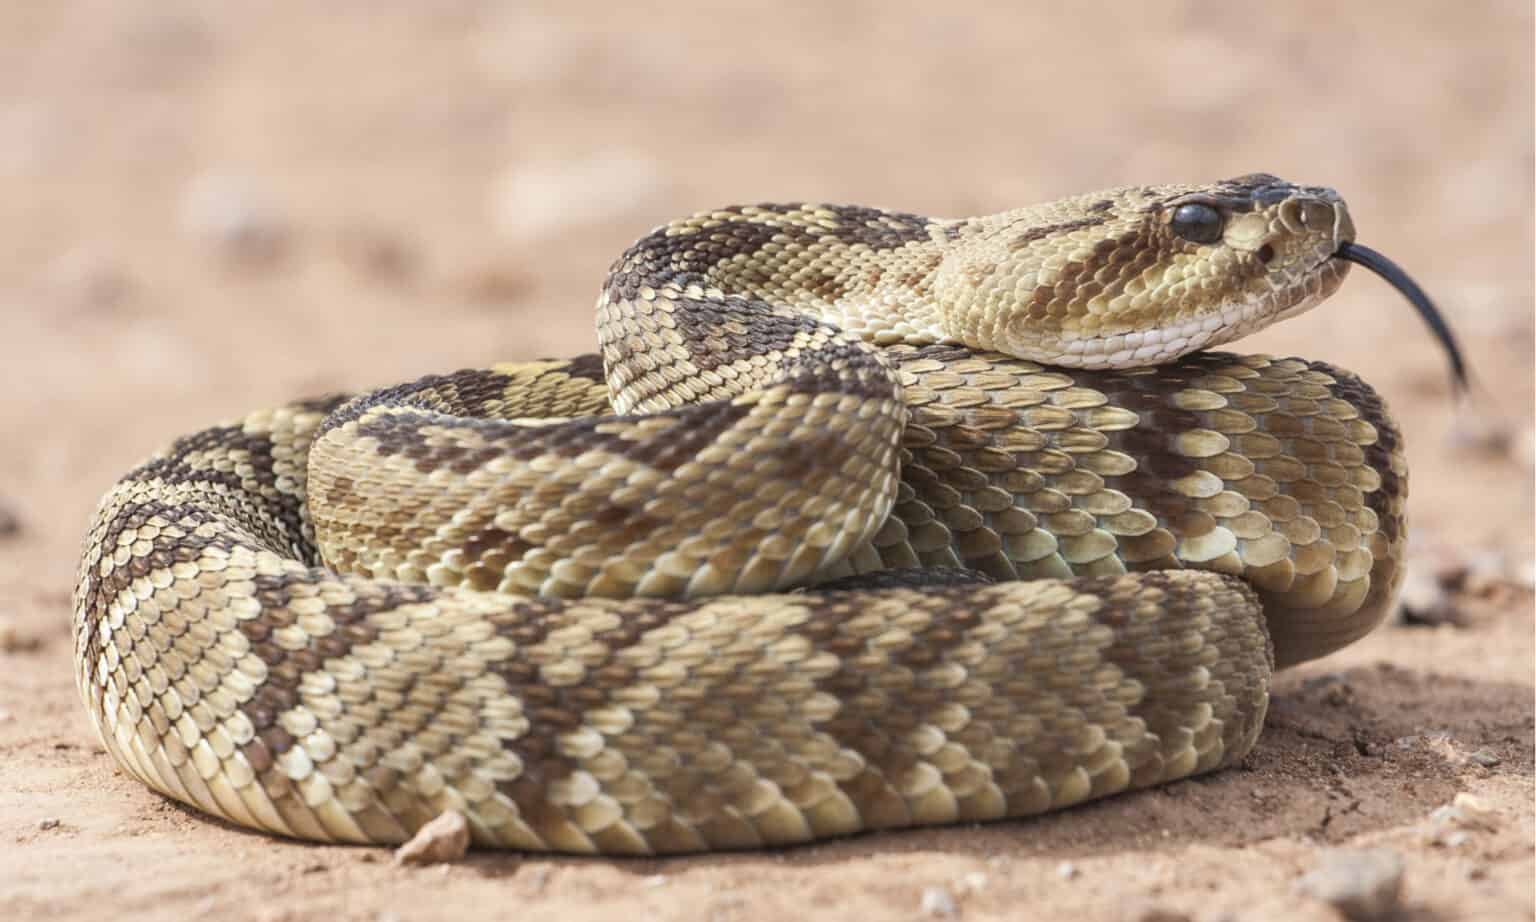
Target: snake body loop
(859, 520)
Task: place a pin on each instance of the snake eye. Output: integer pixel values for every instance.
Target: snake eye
(1197, 223)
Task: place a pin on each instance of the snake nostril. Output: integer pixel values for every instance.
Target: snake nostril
(1266, 253)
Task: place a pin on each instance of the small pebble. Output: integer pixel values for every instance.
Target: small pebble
(1450, 824)
(10, 522)
(973, 882)
(1485, 434)
(496, 285)
(1427, 601)
(228, 213)
(654, 881)
(49, 823)
(87, 281)
(444, 839)
(1325, 680)
(937, 901)
(1492, 573)
(378, 255)
(537, 878)
(1484, 758)
(1361, 884)
(14, 640)
(1442, 575)
(1067, 870)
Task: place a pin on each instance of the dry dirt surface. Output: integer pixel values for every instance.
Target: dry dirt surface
(213, 207)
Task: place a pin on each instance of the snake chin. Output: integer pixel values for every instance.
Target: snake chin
(1319, 284)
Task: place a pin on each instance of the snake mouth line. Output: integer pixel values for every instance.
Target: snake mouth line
(1394, 275)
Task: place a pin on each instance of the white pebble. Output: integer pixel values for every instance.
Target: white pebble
(1361, 884)
(444, 839)
(937, 901)
(1450, 824)
(231, 215)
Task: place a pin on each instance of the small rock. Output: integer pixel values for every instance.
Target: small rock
(1482, 433)
(654, 881)
(379, 255)
(972, 882)
(496, 285)
(937, 901)
(1483, 757)
(1458, 573)
(88, 281)
(537, 878)
(13, 640)
(1427, 601)
(1476, 808)
(1361, 884)
(1491, 573)
(1449, 749)
(1449, 825)
(1325, 680)
(49, 823)
(10, 522)
(1067, 870)
(444, 839)
(229, 214)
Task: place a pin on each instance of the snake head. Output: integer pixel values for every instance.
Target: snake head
(1143, 275)
(1260, 247)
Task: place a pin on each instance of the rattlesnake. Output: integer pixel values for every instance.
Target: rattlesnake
(896, 524)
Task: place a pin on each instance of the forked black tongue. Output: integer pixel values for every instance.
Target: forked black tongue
(1397, 278)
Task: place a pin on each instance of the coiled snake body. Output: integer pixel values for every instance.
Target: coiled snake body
(1046, 554)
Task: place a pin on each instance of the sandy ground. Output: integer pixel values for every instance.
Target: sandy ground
(209, 208)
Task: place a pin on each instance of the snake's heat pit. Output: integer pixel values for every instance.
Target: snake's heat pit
(712, 587)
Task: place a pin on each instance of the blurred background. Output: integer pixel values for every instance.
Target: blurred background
(215, 207)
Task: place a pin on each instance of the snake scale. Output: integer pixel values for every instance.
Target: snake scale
(860, 520)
